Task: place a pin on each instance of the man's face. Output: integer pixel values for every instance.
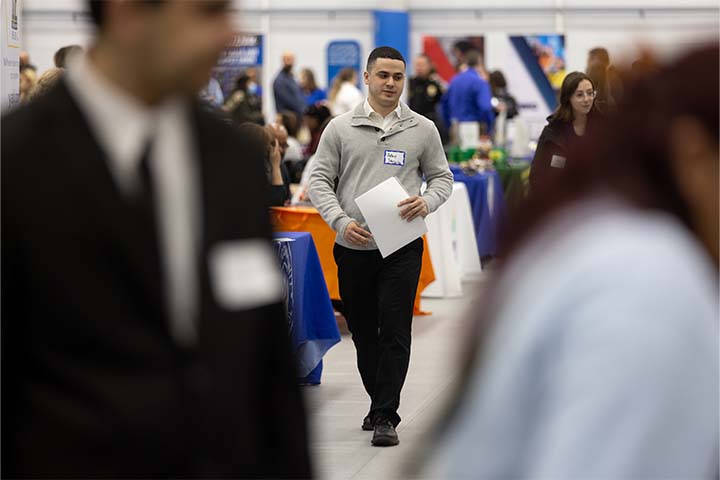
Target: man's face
(385, 81)
(179, 43)
(288, 60)
(422, 67)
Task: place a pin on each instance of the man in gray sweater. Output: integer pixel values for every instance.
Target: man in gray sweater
(379, 139)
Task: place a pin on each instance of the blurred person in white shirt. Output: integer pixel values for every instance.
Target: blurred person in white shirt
(596, 355)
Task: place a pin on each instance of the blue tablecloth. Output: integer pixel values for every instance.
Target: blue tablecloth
(488, 207)
(310, 313)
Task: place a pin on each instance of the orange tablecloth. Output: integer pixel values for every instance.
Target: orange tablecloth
(307, 219)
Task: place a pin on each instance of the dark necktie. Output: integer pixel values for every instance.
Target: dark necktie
(145, 203)
(146, 188)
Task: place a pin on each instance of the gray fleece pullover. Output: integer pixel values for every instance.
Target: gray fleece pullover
(353, 150)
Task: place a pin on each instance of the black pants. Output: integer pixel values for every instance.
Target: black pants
(378, 295)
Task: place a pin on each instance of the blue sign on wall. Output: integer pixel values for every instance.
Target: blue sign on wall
(392, 29)
(341, 54)
(244, 52)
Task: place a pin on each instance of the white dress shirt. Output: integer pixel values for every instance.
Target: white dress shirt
(382, 122)
(123, 126)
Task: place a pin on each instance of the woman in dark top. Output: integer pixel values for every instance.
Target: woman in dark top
(501, 96)
(571, 125)
(277, 174)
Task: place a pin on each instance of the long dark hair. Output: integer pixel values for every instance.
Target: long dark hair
(631, 160)
(598, 73)
(564, 111)
(310, 83)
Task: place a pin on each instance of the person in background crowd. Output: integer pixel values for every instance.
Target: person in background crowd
(212, 93)
(604, 101)
(315, 118)
(301, 195)
(597, 356)
(46, 81)
(293, 156)
(459, 50)
(573, 122)
(253, 83)
(288, 94)
(469, 98)
(425, 91)
(24, 60)
(280, 192)
(502, 101)
(130, 346)
(344, 94)
(275, 172)
(600, 55)
(243, 105)
(28, 78)
(65, 55)
(381, 138)
(313, 93)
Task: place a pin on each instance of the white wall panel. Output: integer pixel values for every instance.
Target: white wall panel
(307, 36)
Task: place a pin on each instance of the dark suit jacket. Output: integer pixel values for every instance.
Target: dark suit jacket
(93, 385)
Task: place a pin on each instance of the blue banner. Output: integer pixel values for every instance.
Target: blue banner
(342, 54)
(246, 51)
(392, 29)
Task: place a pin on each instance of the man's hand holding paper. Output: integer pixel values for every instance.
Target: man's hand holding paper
(414, 206)
(391, 229)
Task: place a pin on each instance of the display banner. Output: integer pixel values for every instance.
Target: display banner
(543, 57)
(246, 51)
(341, 54)
(10, 32)
(392, 29)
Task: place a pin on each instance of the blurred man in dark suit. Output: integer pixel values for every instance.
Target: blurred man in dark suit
(142, 329)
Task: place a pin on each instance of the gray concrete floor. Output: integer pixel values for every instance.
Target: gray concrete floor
(340, 449)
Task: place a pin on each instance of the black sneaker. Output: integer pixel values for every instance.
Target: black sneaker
(367, 424)
(385, 434)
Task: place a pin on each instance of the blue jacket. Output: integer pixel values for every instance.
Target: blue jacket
(288, 94)
(317, 95)
(468, 99)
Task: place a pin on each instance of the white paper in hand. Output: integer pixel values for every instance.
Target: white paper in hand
(379, 207)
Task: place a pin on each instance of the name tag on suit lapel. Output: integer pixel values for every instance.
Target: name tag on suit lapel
(557, 161)
(394, 157)
(244, 274)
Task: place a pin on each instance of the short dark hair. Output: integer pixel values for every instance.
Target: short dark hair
(600, 54)
(383, 52)
(473, 58)
(463, 46)
(97, 10)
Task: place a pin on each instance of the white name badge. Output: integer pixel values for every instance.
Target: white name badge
(557, 161)
(394, 157)
(244, 274)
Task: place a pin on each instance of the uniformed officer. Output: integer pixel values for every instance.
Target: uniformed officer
(425, 92)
